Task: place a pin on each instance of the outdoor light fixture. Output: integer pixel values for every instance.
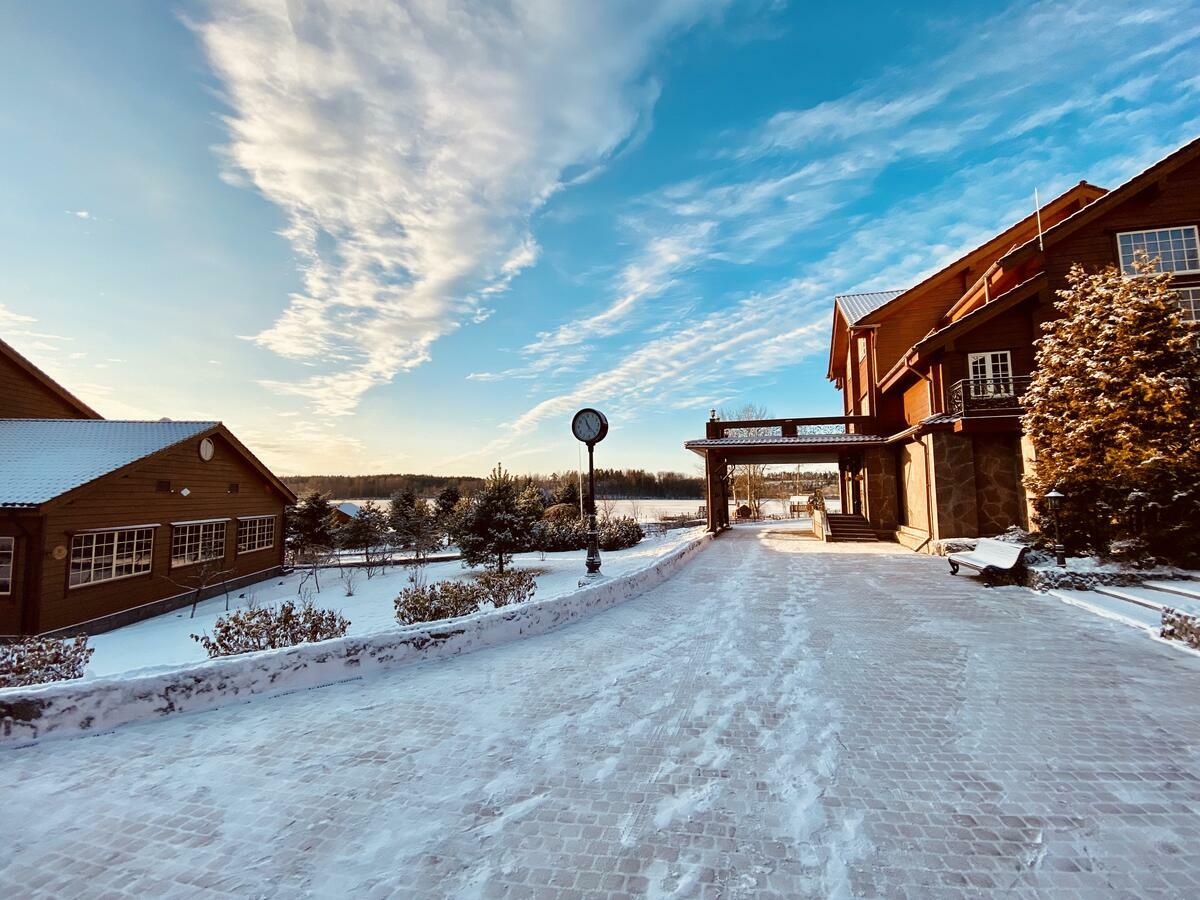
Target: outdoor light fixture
(1054, 499)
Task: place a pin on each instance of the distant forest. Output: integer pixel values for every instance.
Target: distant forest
(613, 484)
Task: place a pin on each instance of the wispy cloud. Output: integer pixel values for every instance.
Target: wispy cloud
(409, 144)
(981, 115)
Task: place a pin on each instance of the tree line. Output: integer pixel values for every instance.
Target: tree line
(610, 483)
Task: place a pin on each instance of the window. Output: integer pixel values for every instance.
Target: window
(1177, 249)
(7, 550)
(257, 533)
(193, 542)
(105, 555)
(991, 374)
(1189, 302)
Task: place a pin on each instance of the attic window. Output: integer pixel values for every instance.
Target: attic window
(234, 487)
(1176, 249)
(163, 487)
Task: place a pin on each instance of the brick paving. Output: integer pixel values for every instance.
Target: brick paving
(781, 719)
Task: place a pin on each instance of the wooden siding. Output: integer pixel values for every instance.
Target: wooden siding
(23, 396)
(131, 498)
(1013, 330)
(1174, 200)
(916, 402)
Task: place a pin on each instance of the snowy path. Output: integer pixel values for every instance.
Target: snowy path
(782, 719)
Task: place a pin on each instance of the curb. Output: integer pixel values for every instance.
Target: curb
(70, 709)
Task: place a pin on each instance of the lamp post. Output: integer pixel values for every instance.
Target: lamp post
(590, 426)
(1054, 501)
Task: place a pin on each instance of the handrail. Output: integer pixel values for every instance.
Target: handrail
(994, 395)
(716, 428)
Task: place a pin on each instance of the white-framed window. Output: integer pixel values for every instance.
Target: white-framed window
(193, 542)
(255, 533)
(1176, 249)
(991, 373)
(8, 550)
(1189, 302)
(107, 555)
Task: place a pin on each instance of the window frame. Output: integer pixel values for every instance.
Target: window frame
(200, 524)
(6, 591)
(1190, 305)
(249, 519)
(117, 531)
(990, 378)
(1195, 230)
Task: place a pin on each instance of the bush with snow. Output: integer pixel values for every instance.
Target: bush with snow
(39, 660)
(562, 513)
(450, 599)
(267, 628)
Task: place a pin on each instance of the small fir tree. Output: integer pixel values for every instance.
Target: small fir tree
(310, 525)
(368, 534)
(493, 524)
(1112, 413)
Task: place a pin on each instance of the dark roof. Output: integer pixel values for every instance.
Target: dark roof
(45, 458)
(859, 306)
(47, 382)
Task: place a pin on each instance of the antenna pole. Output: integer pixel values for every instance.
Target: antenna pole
(1037, 208)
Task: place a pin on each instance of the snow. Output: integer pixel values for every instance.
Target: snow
(164, 641)
(44, 458)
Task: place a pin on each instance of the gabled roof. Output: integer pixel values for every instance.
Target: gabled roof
(858, 306)
(1116, 196)
(45, 458)
(47, 382)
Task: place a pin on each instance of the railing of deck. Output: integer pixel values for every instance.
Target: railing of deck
(989, 396)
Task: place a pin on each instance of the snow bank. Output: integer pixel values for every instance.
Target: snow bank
(67, 709)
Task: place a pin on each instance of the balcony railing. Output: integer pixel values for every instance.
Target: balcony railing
(718, 428)
(989, 396)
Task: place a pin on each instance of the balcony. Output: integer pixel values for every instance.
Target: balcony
(782, 428)
(988, 397)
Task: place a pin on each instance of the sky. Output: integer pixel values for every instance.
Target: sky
(417, 236)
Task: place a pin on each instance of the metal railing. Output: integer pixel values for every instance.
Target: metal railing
(989, 396)
(719, 428)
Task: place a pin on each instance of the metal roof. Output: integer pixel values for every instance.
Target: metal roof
(858, 306)
(41, 459)
(778, 441)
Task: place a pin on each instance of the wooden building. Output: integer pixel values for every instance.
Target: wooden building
(103, 522)
(931, 446)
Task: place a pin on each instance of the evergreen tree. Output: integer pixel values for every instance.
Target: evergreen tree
(493, 524)
(310, 525)
(447, 500)
(567, 492)
(1112, 413)
(401, 513)
(366, 533)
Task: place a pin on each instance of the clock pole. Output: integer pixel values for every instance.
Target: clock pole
(593, 534)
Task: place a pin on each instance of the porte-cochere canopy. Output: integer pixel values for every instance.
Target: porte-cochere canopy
(867, 471)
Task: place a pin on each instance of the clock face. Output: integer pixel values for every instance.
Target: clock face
(589, 426)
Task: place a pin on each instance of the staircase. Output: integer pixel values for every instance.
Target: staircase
(1140, 604)
(850, 528)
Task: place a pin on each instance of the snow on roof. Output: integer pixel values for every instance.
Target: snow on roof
(859, 306)
(43, 458)
(350, 509)
(782, 441)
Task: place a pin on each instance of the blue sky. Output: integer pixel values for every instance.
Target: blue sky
(378, 237)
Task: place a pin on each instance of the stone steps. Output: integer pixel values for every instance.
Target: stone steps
(849, 528)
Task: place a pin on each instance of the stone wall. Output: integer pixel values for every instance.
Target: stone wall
(999, 503)
(953, 479)
(879, 482)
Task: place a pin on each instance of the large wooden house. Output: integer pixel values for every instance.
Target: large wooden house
(930, 446)
(103, 522)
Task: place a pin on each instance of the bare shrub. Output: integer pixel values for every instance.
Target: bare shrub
(349, 577)
(267, 628)
(39, 660)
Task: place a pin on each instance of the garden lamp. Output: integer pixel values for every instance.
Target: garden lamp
(1054, 499)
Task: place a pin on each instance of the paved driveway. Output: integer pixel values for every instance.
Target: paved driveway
(778, 720)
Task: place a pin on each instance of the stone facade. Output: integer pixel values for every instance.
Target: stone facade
(879, 482)
(998, 492)
(953, 485)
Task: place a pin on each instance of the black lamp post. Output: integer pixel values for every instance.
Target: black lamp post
(1054, 501)
(590, 426)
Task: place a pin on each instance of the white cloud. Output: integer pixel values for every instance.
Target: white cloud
(80, 213)
(408, 145)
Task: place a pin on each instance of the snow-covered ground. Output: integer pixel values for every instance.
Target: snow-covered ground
(782, 718)
(165, 641)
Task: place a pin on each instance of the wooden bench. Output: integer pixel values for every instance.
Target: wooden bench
(989, 558)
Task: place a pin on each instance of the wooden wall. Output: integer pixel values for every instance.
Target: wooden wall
(132, 499)
(23, 396)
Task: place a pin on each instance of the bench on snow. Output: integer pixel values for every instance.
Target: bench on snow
(989, 558)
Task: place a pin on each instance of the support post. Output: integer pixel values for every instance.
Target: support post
(593, 552)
